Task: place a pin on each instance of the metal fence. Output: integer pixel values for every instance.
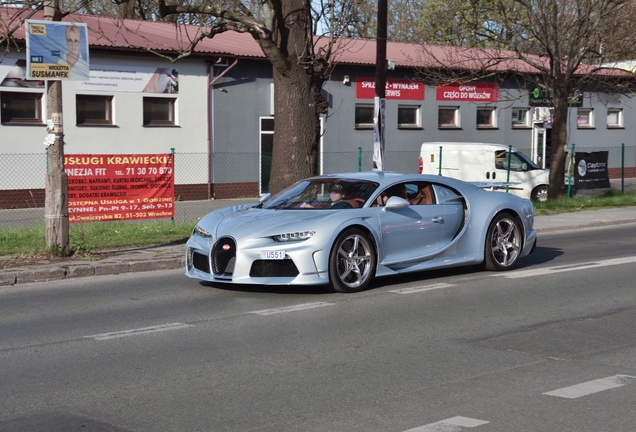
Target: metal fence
(22, 177)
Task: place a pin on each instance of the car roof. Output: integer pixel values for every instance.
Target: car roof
(381, 177)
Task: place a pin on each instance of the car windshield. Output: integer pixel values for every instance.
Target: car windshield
(323, 193)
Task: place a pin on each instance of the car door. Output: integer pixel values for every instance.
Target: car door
(412, 232)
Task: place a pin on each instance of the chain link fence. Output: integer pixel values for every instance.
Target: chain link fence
(230, 178)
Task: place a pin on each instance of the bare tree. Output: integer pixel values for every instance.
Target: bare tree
(557, 45)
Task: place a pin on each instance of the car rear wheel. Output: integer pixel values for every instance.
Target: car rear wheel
(503, 243)
(352, 261)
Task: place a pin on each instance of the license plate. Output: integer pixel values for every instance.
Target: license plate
(273, 255)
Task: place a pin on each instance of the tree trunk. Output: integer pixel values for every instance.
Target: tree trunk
(295, 96)
(558, 153)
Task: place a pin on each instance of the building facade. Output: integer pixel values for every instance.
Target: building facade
(215, 109)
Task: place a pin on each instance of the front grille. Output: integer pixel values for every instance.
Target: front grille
(224, 257)
(201, 262)
(274, 268)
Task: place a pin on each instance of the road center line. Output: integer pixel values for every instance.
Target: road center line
(591, 387)
(453, 424)
(572, 267)
(134, 332)
(422, 288)
(291, 308)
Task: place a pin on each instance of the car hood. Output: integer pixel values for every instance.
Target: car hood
(257, 222)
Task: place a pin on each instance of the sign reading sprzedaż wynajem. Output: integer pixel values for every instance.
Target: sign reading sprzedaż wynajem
(119, 187)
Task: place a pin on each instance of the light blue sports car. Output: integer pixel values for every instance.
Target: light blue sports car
(341, 230)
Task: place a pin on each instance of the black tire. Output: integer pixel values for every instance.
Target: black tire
(503, 243)
(540, 193)
(352, 261)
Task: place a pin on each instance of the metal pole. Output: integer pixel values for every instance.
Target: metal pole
(623, 168)
(380, 88)
(56, 184)
(508, 170)
(439, 170)
(570, 172)
(359, 159)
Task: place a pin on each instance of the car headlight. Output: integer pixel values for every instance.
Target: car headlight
(294, 236)
(200, 231)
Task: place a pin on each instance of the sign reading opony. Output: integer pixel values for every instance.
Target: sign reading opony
(56, 50)
(470, 92)
(119, 187)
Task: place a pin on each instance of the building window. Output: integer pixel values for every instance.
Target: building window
(614, 118)
(486, 117)
(159, 111)
(94, 110)
(20, 108)
(448, 117)
(364, 116)
(584, 118)
(408, 117)
(520, 117)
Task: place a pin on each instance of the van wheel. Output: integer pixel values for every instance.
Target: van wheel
(540, 193)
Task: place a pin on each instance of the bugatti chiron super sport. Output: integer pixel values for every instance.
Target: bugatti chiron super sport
(342, 230)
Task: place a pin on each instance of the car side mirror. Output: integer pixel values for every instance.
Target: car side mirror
(264, 198)
(524, 167)
(396, 203)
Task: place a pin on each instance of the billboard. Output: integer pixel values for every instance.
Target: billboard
(131, 79)
(119, 187)
(56, 50)
(590, 170)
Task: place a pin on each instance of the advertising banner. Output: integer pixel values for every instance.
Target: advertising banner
(135, 80)
(119, 187)
(471, 92)
(14, 75)
(542, 98)
(590, 170)
(56, 50)
(397, 89)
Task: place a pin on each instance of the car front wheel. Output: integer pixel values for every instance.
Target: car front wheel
(352, 261)
(503, 243)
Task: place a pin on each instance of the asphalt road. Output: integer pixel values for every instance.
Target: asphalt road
(550, 346)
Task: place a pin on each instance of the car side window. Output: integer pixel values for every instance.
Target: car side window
(420, 193)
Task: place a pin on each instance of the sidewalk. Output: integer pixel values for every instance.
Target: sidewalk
(173, 256)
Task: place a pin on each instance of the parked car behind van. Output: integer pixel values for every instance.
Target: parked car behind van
(483, 162)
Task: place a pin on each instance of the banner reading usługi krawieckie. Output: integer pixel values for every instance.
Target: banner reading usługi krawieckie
(119, 187)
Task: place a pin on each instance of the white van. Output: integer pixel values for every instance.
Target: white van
(483, 162)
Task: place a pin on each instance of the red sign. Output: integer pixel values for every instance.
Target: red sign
(119, 187)
(401, 89)
(471, 92)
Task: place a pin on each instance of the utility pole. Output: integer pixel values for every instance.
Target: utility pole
(380, 89)
(56, 185)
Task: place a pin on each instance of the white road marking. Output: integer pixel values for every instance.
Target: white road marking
(591, 387)
(134, 332)
(291, 308)
(453, 424)
(566, 268)
(422, 288)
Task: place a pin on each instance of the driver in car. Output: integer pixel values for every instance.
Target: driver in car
(336, 198)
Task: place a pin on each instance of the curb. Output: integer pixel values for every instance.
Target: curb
(51, 272)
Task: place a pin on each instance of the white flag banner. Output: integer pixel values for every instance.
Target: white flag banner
(378, 134)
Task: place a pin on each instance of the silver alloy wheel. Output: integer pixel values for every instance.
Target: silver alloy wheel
(505, 243)
(352, 263)
(540, 194)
